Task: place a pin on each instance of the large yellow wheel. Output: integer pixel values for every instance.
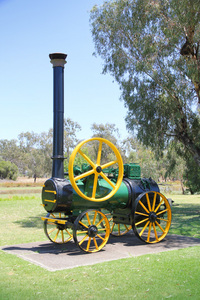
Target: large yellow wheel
(57, 233)
(90, 233)
(97, 169)
(152, 217)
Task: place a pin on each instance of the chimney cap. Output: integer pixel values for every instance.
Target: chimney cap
(58, 59)
(57, 56)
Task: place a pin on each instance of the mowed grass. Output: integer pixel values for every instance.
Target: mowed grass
(172, 274)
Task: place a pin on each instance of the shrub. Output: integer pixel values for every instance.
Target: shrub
(8, 170)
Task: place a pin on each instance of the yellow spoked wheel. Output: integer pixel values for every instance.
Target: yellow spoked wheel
(117, 229)
(57, 232)
(97, 169)
(152, 217)
(89, 233)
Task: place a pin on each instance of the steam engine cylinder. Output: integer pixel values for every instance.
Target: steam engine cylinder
(57, 195)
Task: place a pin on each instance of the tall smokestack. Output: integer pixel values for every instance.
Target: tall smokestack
(58, 61)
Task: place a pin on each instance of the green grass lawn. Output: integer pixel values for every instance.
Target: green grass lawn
(172, 274)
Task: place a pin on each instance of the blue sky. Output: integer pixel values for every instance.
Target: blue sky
(30, 30)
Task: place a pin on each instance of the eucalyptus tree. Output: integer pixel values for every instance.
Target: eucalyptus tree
(151, 48)
(70, 131)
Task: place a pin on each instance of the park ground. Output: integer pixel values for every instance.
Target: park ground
(173, 274)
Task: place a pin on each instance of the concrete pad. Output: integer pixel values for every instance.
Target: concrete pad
(55, 257)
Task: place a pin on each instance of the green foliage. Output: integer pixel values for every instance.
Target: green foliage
(192, 176)
(143, 45)
(8, 170)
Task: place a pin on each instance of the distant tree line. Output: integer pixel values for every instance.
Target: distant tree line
(30, 155)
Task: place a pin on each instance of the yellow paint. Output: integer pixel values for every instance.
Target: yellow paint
(94, 165)
(50, 200)
(47, 191)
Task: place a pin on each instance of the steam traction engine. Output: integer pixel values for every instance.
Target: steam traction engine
(101, 197)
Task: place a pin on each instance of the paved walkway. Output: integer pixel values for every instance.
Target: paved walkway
(58, 257)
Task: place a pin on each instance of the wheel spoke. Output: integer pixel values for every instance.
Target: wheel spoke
(149, 232)
(85, 237)
(109, 164)
(158, 205)
(154, 228)
(159, 226)
(62, 236)
(69, 233)
(126, 227)
(144, 206)
(161, 212)
(101, 237)
(83, 224)
(154, 202)
(139, 213)
(95, 215)
(88, 218)
(161, 219)
(88, 244)
(84, 175)
(95, 185)
(101, 229)
(55, 238)
(99, 153)
(148, 201)
(119, 229)
(99, 222)
(87, 159)
(95, 242)
(140, 222)
(143, 229)
(50, 231)
(112, 227)
(50, 223)
(107, 179)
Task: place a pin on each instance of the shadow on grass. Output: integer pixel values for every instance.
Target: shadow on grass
(186, 220)
(126, 243)
(30, 222)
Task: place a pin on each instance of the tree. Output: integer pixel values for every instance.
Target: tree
(152, 50)
(70, 130)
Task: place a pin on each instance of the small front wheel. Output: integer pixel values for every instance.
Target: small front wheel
(91, 231)
(57, 232)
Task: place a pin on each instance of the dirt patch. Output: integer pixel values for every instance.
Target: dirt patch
(22, 182)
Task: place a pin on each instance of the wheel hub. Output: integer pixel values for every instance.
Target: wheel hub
(152, 216)
(98, 169)
(92, 230)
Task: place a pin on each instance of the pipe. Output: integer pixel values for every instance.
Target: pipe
(58, 61)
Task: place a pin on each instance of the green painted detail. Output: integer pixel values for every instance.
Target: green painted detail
(132, 171)
(119, 200)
